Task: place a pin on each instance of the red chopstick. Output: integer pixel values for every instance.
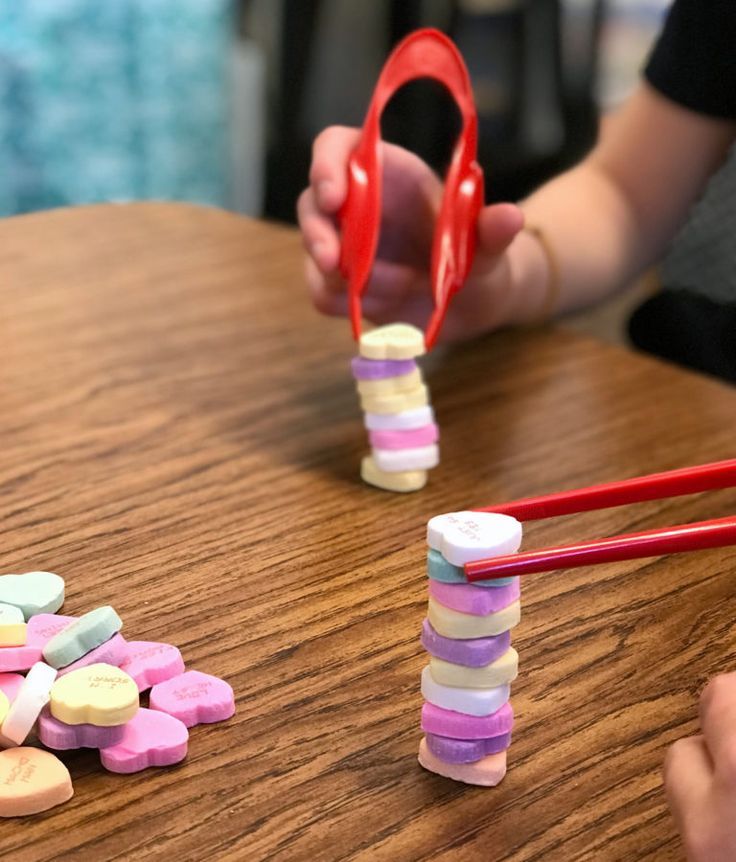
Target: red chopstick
(657, 486)
(665, 540)
(631, 546)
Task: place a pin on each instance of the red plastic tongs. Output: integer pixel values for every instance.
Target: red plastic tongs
(716, 533)
(423, 54)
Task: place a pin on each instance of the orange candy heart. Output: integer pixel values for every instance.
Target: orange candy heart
(31, 780)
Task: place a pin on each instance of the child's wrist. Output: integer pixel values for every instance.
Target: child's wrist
(534, 280)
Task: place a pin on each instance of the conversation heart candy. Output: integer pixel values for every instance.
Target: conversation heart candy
(396, 402)
(18, 657)
(4, 706)
(378, 369)
(395, 341)
(487, 772)
(465, 536)
(390, 385)
(472, 652)
(412, 438)
(458, 725)
(98, 694)
(472, 701)
(412, 480)
(12, 626)
(499, 672)
(402, 421)
(33, 592)
(113, 651)
(194, 698)
(453, 624)
(466, 750)
(39, 630)
(62, 737)
(84, 634)
(469, 599)
(149, 663)
(42, 627)
(438, 569)
(401, 460)
(10, 684)
(152, 738)
(31, 780)
(32, 696)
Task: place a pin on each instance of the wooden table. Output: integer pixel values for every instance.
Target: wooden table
(180, 438)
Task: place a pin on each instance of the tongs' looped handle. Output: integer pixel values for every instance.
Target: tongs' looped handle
(423, 54)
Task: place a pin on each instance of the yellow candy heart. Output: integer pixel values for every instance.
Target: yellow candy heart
(4, 706)
(98, 694)
(394, 341)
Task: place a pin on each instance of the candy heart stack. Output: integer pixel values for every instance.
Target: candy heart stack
(395, 400)
(466, 717)
(82, 690)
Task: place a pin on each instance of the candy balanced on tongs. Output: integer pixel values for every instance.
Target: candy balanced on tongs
(405, 445)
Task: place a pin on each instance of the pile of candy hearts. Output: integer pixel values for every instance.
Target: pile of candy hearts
(82, 690)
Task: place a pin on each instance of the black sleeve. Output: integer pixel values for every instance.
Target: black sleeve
(694, 60)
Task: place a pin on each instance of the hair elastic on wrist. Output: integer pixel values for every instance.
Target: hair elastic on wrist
(552, 291)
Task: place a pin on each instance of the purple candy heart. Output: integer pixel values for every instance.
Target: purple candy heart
(474, 652)
(466, 750)
(458, 725)
(469, 599)
(380, 369)
(61, 737)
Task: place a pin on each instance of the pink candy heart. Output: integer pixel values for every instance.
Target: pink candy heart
(150, 738)
(194, 698)
(149, 663)
(39, 632)
(10, 683)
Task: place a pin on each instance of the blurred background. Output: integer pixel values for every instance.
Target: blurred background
(217, 101)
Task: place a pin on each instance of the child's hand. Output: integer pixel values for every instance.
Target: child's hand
(399, 289)
(700, 777)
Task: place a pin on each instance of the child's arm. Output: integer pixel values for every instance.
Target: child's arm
(700, 777)
(605, 220)
(615, 213)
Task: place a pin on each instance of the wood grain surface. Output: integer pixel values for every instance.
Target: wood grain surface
(180, 438)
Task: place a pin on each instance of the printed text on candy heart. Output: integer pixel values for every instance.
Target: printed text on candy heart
(471, 529)
(109, 682)
(22, 772)
(51, 629)
(192, 692)
(150, 651)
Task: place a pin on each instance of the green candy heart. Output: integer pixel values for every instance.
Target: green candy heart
(81, 636)
(33, 593)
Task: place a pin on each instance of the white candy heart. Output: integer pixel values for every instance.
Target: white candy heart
(403, 421)
(10, 615)
(462, 537)
(401, 460)
(471, 701)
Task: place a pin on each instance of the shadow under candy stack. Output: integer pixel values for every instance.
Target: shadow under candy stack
(395, 400)
(467, 717)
